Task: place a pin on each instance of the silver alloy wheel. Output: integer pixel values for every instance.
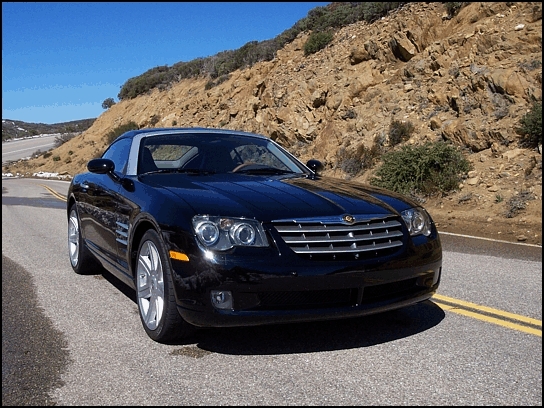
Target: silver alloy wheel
(150, 285)
(73, 237)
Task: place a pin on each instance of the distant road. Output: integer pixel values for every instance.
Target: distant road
(18, 149)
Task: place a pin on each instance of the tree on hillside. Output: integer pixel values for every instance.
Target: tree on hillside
(108, 103)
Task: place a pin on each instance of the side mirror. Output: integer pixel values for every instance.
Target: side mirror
(315, 165)
(100, 166)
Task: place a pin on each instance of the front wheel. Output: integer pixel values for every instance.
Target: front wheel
(155, 292)
(81, 259)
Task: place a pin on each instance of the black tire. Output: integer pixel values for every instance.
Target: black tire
(81, 259)
(155, 292)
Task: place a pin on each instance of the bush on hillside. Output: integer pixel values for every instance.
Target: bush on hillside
(119, 130)
(375, 10)
(518, 203)
(453, 7)
(334, 16)
(354, 162)
(400, 131)
(108, 103)
(317, 41)
(63, 138)
(530, 126)
(426, 169)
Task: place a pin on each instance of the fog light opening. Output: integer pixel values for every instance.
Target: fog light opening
(437, 275)
(221, 299)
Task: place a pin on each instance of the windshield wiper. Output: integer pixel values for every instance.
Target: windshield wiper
(195, 171)
(264, 170)
(187, 171)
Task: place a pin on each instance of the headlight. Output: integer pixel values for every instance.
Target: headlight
(208, 232)
(242, 234)
(418, 221)
(221, 233)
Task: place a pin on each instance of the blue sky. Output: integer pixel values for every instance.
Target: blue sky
(61, 60)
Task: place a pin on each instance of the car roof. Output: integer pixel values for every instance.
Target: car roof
(173, 130)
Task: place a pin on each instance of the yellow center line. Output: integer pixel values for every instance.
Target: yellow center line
(57, 195)
(499, 317)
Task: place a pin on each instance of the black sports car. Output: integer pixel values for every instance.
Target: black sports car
(216, 228)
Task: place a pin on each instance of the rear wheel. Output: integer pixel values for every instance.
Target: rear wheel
(155, 292)
(81, 259)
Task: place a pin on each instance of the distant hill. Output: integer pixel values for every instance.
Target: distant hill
(15, 128)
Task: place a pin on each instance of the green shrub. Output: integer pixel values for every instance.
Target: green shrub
(152, 78)
(453, 7)
(211, 83)
(338, 14)
(356, 161)
(348, 162)
(56, 158)
(518, 203)
(530, 65)
(317, 41)
(530, 126)
(374, 10)
(400, 131)
(426, 169)
(108, 103)
(119, 130)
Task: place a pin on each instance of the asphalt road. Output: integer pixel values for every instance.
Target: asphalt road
(77, 340)
(18, 149)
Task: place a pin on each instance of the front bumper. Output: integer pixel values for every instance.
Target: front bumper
(271, 290)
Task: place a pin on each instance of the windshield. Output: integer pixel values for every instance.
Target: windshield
(212, 154)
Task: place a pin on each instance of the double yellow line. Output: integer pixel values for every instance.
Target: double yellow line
(55, 194)
(490, 315)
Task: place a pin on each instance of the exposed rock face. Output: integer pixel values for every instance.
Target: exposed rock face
(468, 79)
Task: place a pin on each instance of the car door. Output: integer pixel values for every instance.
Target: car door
(101, 221)
(125, 209)
(98, 214)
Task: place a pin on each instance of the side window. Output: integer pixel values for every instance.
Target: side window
(118, 153)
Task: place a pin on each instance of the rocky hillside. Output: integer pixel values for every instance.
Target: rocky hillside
(468, 79)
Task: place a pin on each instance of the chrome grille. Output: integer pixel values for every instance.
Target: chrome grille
(335, 239)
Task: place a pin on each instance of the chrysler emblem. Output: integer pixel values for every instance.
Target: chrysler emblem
(348, 218)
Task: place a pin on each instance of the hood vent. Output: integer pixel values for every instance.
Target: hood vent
(330, 239)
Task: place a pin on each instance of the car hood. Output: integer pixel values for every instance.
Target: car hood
(278, 198)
